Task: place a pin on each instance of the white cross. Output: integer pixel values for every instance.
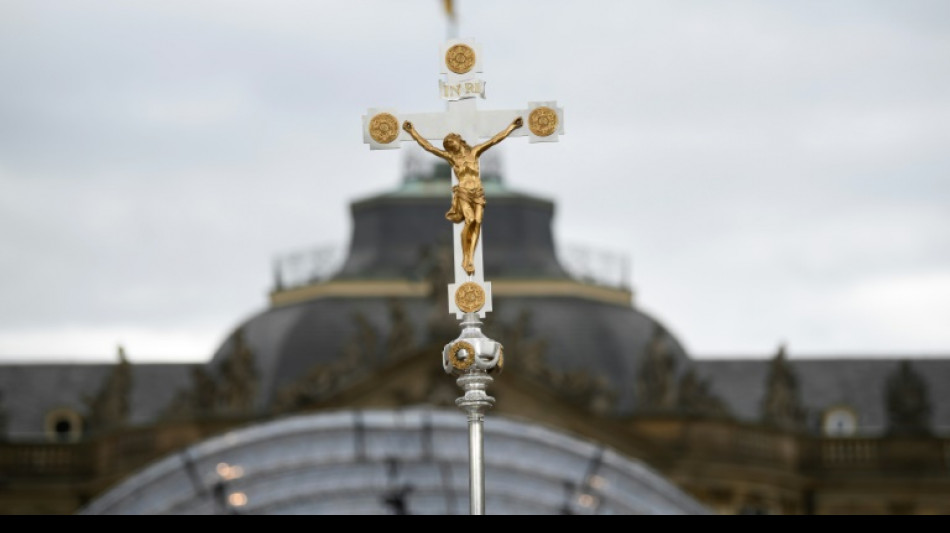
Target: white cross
(462, 117)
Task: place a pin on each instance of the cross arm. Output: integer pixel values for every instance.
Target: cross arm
(382, 128)
(382, 132)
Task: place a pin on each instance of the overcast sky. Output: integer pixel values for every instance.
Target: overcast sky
(776, 171)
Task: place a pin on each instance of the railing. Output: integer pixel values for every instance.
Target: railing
(305, 267)
(583, 263)
(885, 454)
(597, 267)
(849, 452)
(45, 460)
(726, 442)
(118, 451)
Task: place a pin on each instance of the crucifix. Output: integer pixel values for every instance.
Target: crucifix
(472, 356)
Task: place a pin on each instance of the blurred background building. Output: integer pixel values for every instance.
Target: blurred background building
(332, 398)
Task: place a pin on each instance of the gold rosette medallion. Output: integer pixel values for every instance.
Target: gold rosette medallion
(470, 297)
(542, 121)
(460, 58)
(461, 363)
(384, 128)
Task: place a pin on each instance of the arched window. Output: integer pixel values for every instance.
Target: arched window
(840, 421)
(63, 425)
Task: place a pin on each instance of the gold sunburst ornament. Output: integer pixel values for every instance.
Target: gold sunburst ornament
(470, 297)
(462, 363)
(542, 121)
(384, 128)
(460, 58)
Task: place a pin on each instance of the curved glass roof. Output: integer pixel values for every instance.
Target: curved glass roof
(411, 461)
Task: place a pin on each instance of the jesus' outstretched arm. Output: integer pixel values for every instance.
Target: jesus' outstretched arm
(424, 143)
(500, 136)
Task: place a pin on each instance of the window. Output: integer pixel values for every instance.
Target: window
(839, 422)
(63, 425)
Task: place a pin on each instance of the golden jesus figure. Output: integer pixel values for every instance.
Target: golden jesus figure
(468, 197)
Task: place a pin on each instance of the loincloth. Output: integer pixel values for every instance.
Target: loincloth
(460, 197)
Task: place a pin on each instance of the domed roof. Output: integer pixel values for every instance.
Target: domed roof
(392, 462)
(586, 340)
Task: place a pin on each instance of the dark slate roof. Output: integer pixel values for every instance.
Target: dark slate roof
(382, 462)
(30, 391)
(393, 231)
(605, 340)
(601, 339)
(288, 341)
(824, 383)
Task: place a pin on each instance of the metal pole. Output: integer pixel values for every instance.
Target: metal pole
(475, 402)
(476, 457)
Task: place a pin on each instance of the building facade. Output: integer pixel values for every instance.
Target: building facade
(775, 435)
